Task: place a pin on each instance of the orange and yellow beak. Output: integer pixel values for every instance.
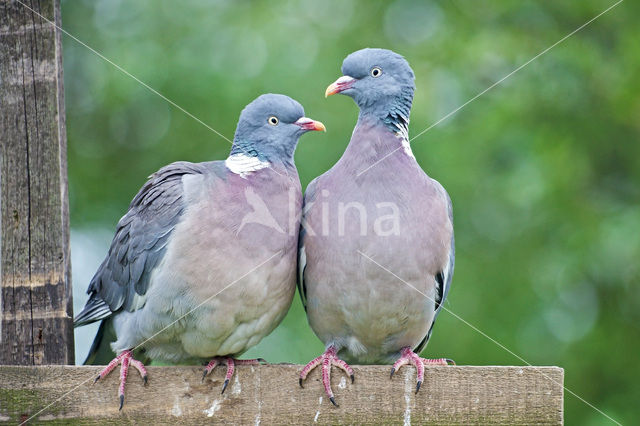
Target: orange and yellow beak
(309, 124)
(340, 85)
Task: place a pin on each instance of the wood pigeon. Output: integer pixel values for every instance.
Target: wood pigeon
(369, 225)
(203, 264)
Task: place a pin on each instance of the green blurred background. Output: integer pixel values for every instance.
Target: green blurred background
(543, 170)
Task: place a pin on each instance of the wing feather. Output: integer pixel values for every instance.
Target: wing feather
(309, 197)
(139, 244)
(444, 277)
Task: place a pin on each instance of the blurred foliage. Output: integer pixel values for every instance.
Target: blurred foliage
(543, 170)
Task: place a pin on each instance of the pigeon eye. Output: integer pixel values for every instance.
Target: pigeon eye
(273, 120)
(376, 72)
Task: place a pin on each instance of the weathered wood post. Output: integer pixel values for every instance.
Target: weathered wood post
(35, 294)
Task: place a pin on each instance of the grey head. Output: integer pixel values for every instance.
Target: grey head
(269, 128)
(381, 82)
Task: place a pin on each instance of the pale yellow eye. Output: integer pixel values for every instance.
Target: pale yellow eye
(273, 120)
(376, 72)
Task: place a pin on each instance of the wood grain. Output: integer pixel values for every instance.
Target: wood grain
(270, 394)
(35, 294)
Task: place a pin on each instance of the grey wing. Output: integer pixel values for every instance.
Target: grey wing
(309, 197)
(443, 278)
(139, 244)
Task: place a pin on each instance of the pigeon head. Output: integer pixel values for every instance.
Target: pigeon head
(381, 82)
(269, 128)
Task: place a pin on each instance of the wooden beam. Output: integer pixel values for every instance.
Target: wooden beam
(35, 295)
(270, 395)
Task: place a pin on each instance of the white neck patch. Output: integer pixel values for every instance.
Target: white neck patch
(403, 133)
(243, 165)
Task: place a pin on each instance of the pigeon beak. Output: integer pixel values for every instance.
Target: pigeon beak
(306, 123)
(340, 85)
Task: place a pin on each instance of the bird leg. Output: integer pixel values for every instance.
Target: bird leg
(327, 359)
(230, 362)
(407, 356)
(124, 359)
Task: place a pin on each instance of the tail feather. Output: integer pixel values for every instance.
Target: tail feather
(96, 309)
(100, 352)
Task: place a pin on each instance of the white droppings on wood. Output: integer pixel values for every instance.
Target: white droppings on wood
(407, 398)
(258, 399)
(214, 407)
(343, 383)
(315, 418)
(46, 418)
(259, 415)
(236, 389)
(176, 411)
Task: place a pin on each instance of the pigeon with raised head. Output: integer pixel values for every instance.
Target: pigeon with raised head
(202, 266)
(376, 245)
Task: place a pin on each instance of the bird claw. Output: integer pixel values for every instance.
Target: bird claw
(407, 356)
(125, 359)
(230, 362)
(438, 361)
(328, 359)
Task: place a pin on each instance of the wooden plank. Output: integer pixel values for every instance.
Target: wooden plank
(35, 294)
(270, 394)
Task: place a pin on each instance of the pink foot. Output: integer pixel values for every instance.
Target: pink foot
(327, 359)
(230, 362)
(407, 356)
(125, 359)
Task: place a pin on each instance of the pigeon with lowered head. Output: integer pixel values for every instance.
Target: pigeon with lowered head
(202, 266)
